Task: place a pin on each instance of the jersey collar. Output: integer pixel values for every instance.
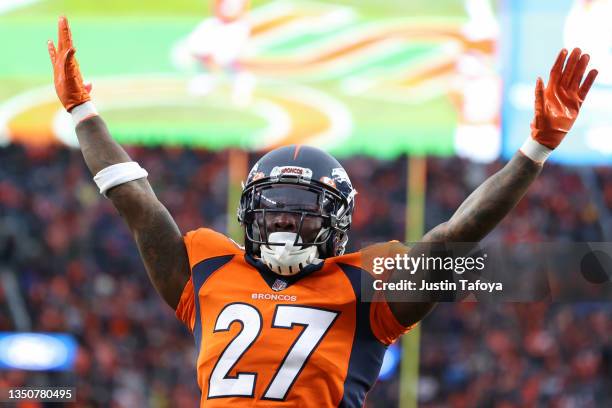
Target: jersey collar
(278, 282)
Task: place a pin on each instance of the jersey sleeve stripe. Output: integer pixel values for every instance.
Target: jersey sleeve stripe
(199, 274)
(367, 351)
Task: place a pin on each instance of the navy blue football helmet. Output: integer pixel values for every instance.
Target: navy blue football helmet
(305, 182)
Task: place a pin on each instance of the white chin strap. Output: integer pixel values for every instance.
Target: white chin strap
(287, 259)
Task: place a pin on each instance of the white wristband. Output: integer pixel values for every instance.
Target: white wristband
(83, 111)
(117, 174)
(535, 151)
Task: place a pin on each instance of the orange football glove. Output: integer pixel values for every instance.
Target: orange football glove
(66, 73)
(557, 105)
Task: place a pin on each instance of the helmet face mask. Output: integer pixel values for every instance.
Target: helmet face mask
(297, 199)
(307, 210)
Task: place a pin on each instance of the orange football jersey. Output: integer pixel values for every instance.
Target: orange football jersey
(281, 341)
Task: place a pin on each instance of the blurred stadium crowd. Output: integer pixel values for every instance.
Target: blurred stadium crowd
(79, 272)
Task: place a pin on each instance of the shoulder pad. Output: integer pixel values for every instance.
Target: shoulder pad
(205, 243)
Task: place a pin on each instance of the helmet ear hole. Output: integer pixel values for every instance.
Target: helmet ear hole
(331, 247)
(339, 242)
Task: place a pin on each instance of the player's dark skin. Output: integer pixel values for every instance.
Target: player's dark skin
(163, 252)
(290, 222)
(474, 219)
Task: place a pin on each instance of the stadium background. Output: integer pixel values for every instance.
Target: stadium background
(421, 100)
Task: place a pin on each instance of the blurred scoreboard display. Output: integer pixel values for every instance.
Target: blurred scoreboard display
(533, 34)
(354, 77)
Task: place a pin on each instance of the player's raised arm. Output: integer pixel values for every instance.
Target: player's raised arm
(158, 238)
(556, 108)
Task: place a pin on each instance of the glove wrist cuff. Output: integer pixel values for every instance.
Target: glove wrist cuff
(83, 111)
(535, 151)
(550, 138)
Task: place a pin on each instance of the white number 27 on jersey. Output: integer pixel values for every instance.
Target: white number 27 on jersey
(316, 323)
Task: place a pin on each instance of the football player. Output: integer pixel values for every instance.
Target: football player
(281, 322)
